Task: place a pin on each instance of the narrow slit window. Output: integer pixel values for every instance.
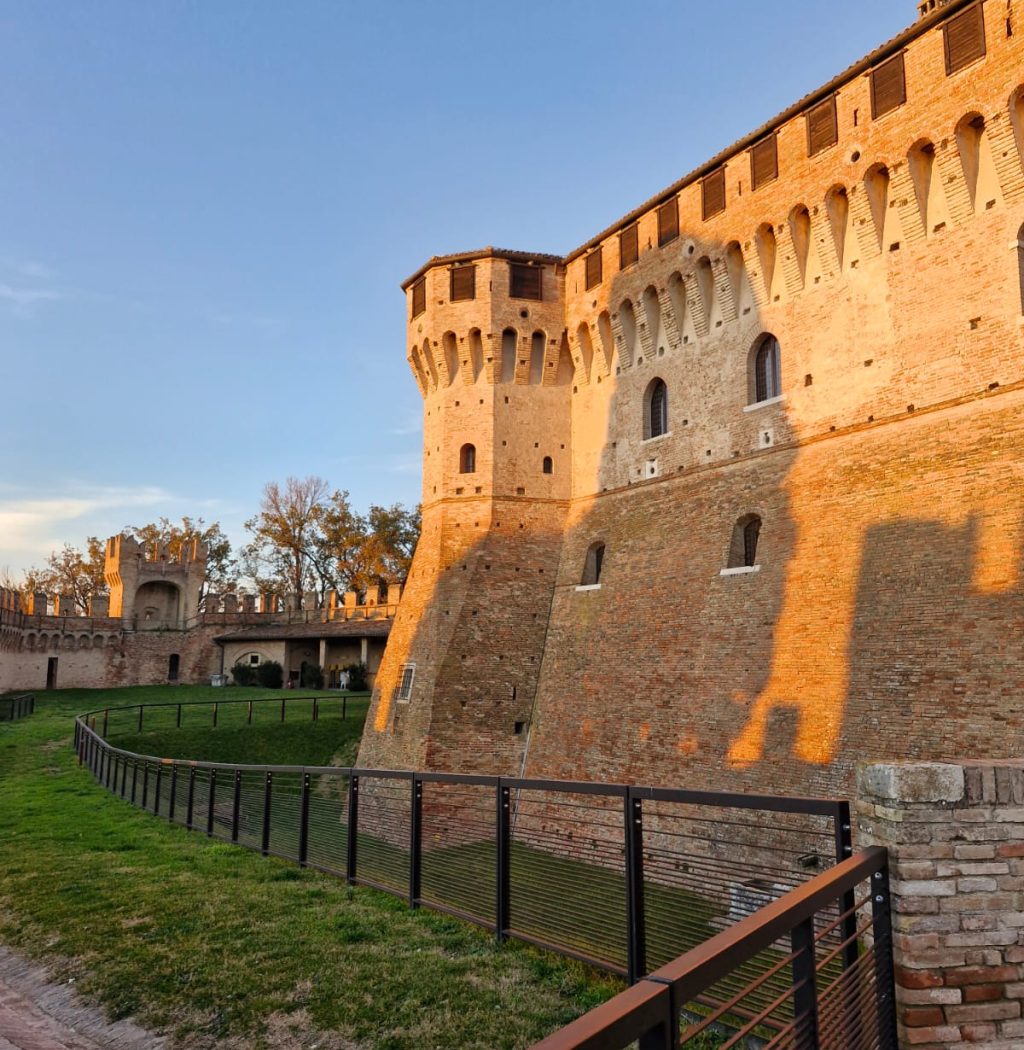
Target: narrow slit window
(743, 542)
(767, 370)
(592, 565)
(467, 459)
(548, 465)
(405, 686)
(656, 409)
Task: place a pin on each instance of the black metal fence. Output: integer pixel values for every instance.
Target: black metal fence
(623, 877)
(805, 994)
(14, 707)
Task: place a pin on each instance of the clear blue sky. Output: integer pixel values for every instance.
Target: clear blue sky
(206, 210)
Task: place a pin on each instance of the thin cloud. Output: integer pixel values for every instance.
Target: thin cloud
(27, 297)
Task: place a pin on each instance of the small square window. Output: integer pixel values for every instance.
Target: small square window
(525, 282)
(253, 659)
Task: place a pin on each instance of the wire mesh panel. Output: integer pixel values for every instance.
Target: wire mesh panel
(285, 814)
(458, 854)
(567, 873)
(384, 832)
(251, 792)
(708, 866)
(328, 823)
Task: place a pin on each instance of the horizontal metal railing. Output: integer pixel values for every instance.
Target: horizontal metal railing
(826, 1005)
(14, 707)
(620, 876)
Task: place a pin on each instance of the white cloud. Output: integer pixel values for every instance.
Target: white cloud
(32, 526)
(26, 297)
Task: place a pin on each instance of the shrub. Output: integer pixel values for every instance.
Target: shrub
(357, 677)
(270, 674)
(311, 676)
(243, 674)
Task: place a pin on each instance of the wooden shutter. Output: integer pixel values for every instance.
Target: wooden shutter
(594, 268)
(822, 126)
(964, 38)
(463, 283)
(888, 86)
(629, 246)
(419, 297)
(525, 281)
(764, 161)
(713, 193)
(668, 222)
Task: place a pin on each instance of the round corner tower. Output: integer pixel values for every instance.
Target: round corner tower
(486, 344)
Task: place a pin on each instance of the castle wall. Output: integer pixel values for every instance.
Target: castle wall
(882, 617)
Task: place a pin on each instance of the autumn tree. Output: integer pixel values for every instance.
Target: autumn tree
(73, 572)
(287, 548)
(220, 566)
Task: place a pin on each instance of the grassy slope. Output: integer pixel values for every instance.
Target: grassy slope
(210, 941)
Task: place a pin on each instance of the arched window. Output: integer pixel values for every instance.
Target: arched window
(548, 466)
(656, 409)
(467, 459)
(767, 377)
(743, 547)
(592, 565)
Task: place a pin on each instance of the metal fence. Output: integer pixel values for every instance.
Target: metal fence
(623, 877)
(14, 707)
(804, 995)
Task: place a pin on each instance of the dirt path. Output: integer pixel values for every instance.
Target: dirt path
(36, 1014)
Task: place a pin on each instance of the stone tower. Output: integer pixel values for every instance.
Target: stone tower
(487, 348)
(149, 588)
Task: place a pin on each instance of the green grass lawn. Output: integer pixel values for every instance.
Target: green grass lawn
(216, 944)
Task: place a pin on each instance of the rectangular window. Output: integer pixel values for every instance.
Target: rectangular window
(888, 86)
(964, 39)
(463, 280)
(524, 281)
(668, 222)
(764, 161)
(419, 297)
(405, 686)
(822, 126)
(594, 269)
(629, 246)
(712, 193)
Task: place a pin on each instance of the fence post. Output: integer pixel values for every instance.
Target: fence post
(284, 700)
(503, 856)
(173, 792)
(267, 791)
(415, 841)
(124, 778)
(848, 901)
(216, 705)
(636, 927)
(140, 718)
(210, 802)
(805, 990)
(236, 805)
(191, 797)
(135, 778)
(885, 977)
(316, 710)
(177, 724)
(106, 719)
(145, 784)
(344, 707)
(250, 713)
(156, 789)
(304, 822)
(351, 852)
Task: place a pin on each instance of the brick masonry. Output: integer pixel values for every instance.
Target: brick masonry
(955, 835)
(884, 619)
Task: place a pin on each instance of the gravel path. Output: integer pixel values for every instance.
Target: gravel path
(36, 1014)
